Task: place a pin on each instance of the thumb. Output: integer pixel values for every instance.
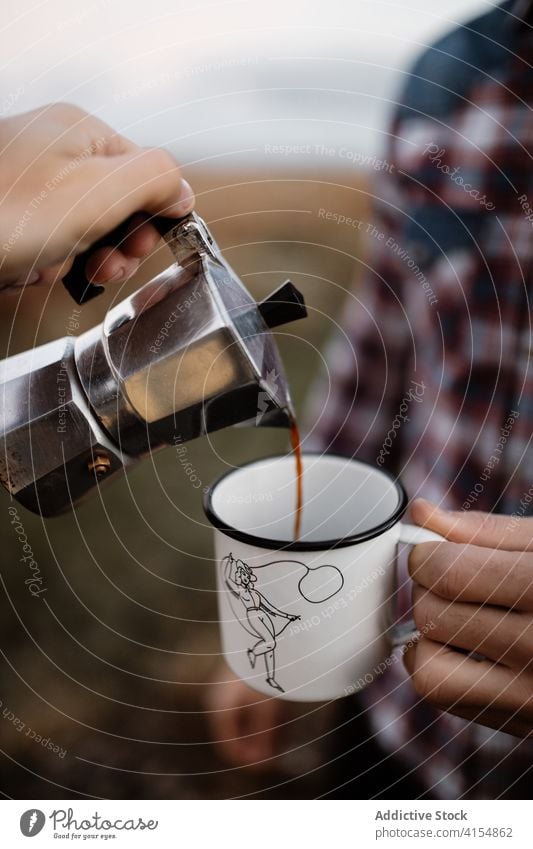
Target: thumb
(490, 530)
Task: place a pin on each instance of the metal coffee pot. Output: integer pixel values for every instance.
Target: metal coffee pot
(189, 353)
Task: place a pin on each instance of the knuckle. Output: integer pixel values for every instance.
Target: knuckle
(521, 648)
(522, 571)
(68, 113)
(162, 161)
(427, 685)
(422, 609)
(489, 522)
(450, 569)
(452, 581)
(115, 145)
(486, 525)
(523, 694)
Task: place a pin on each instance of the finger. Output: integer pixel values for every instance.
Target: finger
(409, 656)
(53, 273)
(244, 723)
(147, 180)
(248, 747)
(498, 719)
(471, 573)
(500, 635)
(450, 680)
(261, 729)
(142, 238)
(33, 278)
(511, 533)
(226, 719)
(109, 265)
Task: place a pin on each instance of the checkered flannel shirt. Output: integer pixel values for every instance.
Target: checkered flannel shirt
(445, 306)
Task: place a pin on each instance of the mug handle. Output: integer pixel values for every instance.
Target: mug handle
(406, 632)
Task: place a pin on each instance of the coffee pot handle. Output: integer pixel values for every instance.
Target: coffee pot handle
(75, 281)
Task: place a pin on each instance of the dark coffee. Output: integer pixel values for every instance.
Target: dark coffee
(297, 449)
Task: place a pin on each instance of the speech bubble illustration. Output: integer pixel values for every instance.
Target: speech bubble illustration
(320, 583)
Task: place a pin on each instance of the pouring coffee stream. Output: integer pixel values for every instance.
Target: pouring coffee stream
(189, 353)
(296, 444)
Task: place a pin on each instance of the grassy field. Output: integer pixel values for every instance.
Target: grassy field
(114, 667)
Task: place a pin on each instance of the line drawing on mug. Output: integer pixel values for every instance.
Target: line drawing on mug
(263, 619)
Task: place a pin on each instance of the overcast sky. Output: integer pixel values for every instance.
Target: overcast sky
(211, 79)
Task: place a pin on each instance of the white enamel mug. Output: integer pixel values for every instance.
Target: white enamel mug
(312, 619)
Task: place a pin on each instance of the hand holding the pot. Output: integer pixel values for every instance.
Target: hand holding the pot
(66, 179)
(474, 593)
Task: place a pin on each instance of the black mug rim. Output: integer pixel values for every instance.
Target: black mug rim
(302, 545)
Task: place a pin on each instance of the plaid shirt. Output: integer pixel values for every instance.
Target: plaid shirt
(445, 304)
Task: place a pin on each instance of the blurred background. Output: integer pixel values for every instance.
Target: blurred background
(116, 668)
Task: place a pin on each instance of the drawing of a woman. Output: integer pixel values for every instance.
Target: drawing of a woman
(263, 619)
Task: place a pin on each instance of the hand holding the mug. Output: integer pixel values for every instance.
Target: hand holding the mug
(474, 594)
